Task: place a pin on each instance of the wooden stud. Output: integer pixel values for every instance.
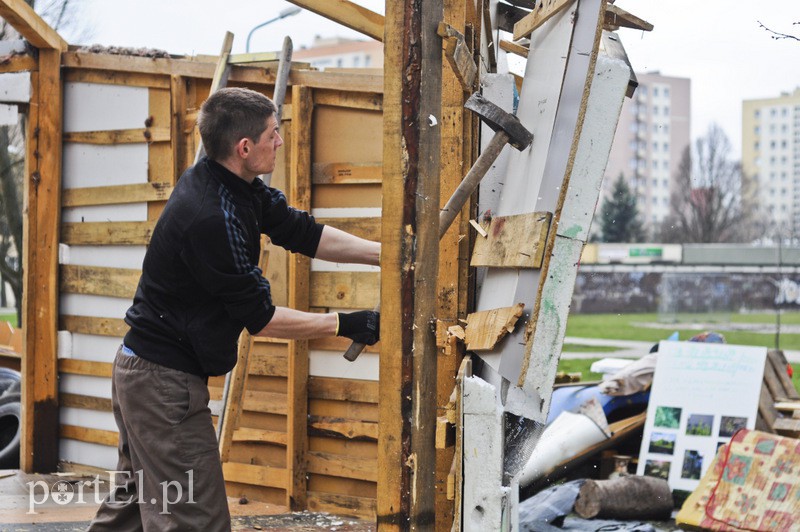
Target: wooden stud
(513, 241)
(87, 402)
(119, 136)
(85, 434)
(39, 411)
(111, 77)
(348, 100)
(30, 25)
(85, 367)
(233, 403)
(348, 14)
(178, 126)
(487, 327)
(543, 11)
(18, 63)
(299, 299)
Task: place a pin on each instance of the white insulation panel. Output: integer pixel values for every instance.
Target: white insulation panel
(94, 306)
(101, 107)
(89, 165)
(90, 419)
(107, 256)
(333, 364)
(85, 385)
(94, 347)
(92, 454)
(132, 212)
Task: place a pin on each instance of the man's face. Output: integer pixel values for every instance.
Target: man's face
(265, 148)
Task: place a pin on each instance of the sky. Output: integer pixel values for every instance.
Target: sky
(718, 44)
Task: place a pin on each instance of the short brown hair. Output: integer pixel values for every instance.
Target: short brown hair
(230, 115)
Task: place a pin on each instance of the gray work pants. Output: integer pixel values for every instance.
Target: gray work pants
(168, 451)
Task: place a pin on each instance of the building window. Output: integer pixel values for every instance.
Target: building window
(655, 110)
(655, 183)
(356, 61)
(757, 113)
(666, 128)
(665, 183)
(783, 144)
(772, 144)
(757, 130)
(755, 145)
(655, 146)
(772, 112)
(666, 146)
(666, 110)
(666, 91)
(367, 60)
(784, 112)
(339, 62)
(655, 92)
(632, 164)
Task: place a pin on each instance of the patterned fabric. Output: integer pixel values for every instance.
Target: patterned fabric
(752, 484)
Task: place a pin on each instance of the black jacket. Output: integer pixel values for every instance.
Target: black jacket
(201, 284)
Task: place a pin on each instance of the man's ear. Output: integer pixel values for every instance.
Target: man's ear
(243, 148)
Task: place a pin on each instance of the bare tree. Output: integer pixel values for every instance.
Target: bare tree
(712, 201)
(778, 36)
(59, 14)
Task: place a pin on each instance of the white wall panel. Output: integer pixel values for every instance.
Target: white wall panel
(131, 212)
(94, 306)
(107, 256)
(91, 419)
(94, 347)
(100, 107)
(85, 385)
(90, 165)
(93, 454)
(333, 364)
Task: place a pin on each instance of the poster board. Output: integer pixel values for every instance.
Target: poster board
(702, 393)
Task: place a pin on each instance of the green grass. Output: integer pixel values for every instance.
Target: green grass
(580, 348)
(11, 317)
(582, 365)
(622, 327)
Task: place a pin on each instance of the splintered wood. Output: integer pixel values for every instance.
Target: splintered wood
(486, 328)
(516, 241)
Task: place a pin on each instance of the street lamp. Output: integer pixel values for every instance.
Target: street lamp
(288, 12)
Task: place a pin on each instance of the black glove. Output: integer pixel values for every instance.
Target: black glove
(362, 327)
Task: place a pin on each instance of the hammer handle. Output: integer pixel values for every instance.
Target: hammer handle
(456, 202)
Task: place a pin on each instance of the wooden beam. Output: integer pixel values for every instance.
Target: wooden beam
(88, 402)
(299, 299)
(115, 327)
(107, 233)
(85, 434)
(345, 173)
(351, 429)
(255, 474)
(345, 505)
(119, 136)
(348, 14)
(513, 48)
(18, 63)
(349, 100)
(543, 11)
(84, 367)
(39, 411)
(97, 280)
(347, 290)
(342, 466)
(30, 25)
(116, 194)
(343, 389)
(617, 17)
(458, 55)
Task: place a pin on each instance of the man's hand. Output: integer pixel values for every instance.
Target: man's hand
(362, 327)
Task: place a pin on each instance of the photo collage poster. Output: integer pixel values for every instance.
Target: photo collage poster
(702, 393)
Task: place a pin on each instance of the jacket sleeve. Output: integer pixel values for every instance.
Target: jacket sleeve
(215, 252)
(287, 227)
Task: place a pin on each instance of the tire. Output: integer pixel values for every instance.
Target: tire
(10, 431)
(8, 377)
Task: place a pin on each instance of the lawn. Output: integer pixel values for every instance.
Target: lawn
(624, 327)
(10, 317)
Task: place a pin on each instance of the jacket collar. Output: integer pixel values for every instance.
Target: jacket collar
(241, 189)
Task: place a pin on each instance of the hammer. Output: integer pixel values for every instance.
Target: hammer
(508, 130)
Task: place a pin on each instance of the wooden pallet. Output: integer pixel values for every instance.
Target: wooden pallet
(779, 404)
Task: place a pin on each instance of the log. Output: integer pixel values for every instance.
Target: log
(630, 497)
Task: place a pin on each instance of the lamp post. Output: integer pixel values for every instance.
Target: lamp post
(288, 12)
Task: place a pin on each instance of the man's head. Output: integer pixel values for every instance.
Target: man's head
(235, 123)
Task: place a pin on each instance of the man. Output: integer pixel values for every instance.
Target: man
(200, 287)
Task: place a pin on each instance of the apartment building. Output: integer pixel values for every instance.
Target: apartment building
(771, 156)
(653, 131)
(338, 52)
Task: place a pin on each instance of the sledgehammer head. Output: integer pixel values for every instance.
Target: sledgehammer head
(499, 120)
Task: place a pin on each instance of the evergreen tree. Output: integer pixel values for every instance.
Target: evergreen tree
(619, 217)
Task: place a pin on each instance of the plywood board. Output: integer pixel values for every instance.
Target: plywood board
(362, 142)
(513, 241)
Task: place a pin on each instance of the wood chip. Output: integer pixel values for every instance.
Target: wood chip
(486, 328)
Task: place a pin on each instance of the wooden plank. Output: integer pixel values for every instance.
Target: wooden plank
(343, 389)
(349, 290)
(232, 397)
(617, 17)
(458, 56)
(543, 11)
(344, 505)
(245, 434)
(513, 48)
(116, 195)
(88, 402)
(253, 474)
(342, 466)
(111, 77)
(96, 280)
(787, 426)
(345, 173)
(786, 406)
(119, 136)
(299, 298)
(445, 433)
(30, 25)
(369, 228)
(178, 124)
(777, 359)
(348, 14)
(339, 344)
(766, 409)
(393, 508)
(350, 429)
(487, 327)
(349, 100)
(343, 81)
(85, 367)
(92, 325)
(263, 364)
(107, 233)
(42, 198)
(18, 63)
(101, 437)
(265, 402)
(515, 241)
